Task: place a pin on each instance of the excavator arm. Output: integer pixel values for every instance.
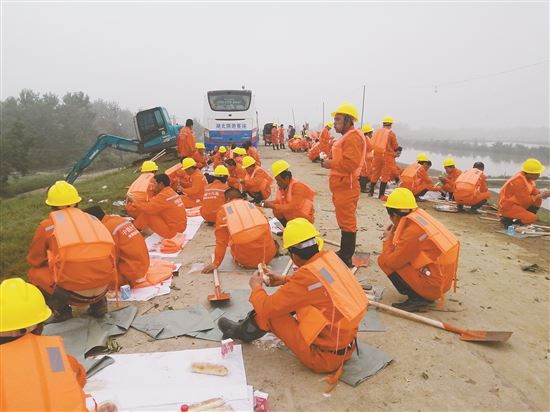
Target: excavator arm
(103, 141)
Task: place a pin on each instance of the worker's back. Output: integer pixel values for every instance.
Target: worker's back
(213, 200)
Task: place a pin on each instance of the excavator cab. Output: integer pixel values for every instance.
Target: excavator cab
(154, 128)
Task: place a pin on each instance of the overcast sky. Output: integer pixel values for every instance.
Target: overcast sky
(291, 56)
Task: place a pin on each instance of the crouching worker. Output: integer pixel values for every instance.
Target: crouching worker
(315, 312)
(519, 199)
(132, 256)
(257, 183)
(164, 213)
(142, 187)
(192, 184)
(36, 374)
(419, 254)
(245, 229)
(471, 188)
(71, 256)
(214, 193)
(294, 198)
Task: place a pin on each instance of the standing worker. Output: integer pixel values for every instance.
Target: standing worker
(324, 138)
(294, 198)
(384, 145)
(419, 254)
(274, 136)
(366, 169)
(186, 140)
(348, 156)
(449, 180)
(281, 134)
(213, 197)
(471, 188)
(317, 310)
(519, 199)
(257, 183)
(193, 184)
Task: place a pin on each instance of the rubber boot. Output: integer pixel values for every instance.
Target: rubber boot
(347, 247)
(98, 309)
(382, 191)
(371, 189)
(363, 184)
(413, 304)
(245, 329)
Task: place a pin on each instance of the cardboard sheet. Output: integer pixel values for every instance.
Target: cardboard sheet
(361, 367)
(147, 293)
(164, 381)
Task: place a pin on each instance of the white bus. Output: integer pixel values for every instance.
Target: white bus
(230, 117)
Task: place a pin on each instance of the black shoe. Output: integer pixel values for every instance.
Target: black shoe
(245, 329)
(60, 315)
(506, 221)
(98, 309)
(371, 189)
(382, 190)
(412, 304)
(460, 208)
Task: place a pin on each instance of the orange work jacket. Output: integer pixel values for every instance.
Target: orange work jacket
(168, 205)
(185, 142)
(295, 201)
(517, 191)
(348, 155)
(213, 200)
(258, 182)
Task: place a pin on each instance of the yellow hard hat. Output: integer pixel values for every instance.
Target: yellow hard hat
(62, 194)
(149, 166)
(223, 149)
(329, 125)
(299, 230)
(221, 170)
(367, 128)
(21, 305)
(274, 124)
(449, 162)
(187, 163)
(387, 119)
(278, 167)
(240, 151)
(422, 157)
(532, 166)
(401, 198)
(248, 161)
(346, 108)
(200, 145)
(297, 136)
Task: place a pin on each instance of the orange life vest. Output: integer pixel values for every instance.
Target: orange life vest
(314, 152)
(344, 290)
(266, 183)
(338, 153)
(380, 140)
(83, 242)
(408, 176)
(245, 222)
(285, 196)
(504, 197)
(141, 188)
(467, 183)
(447, 245)
(171, 172)
(35, 375)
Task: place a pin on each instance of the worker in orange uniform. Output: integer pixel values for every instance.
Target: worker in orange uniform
(36, 374)
(519, 199)
(257, 183)
(294, 198)
(419, 254)
(384, 145)
(471, 188)
(71, 256)
(317, 310)
(281, 135)
(236, 175)
(199, 155)
(219, 157)
(348, 156)
(252, 152)
(274, 137)
(366, 169)
(164, 213)
(324, 138)
(132, 256)
(193, 184)
(142, 187)
(245, 229)
(448, 181)
(415, 177)
(185, 140)
(238, 155)
(395, 172)
(213, 198)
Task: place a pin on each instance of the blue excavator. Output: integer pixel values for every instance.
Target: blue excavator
(155, 132)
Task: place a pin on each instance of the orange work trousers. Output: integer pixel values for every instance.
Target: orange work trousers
(382, 166)
(285, 327)
(190, 202)
(471, 200)
(345, 195)
(517, 212)
(416, 280)
(156, 224)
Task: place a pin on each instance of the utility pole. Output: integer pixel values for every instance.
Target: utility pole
(363, 105)
(293, 118)
(323, 118)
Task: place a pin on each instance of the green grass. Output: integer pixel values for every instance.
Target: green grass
(20, 215)
(24, 184)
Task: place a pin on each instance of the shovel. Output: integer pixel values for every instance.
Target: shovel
(218, 296)
(467, 335)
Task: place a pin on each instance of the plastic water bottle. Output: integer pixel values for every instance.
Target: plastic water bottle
(511, 231)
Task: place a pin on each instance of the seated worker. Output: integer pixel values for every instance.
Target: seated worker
(35, 371)
(245, 229)
(132, 256)
(238, 154)
(317, 320)
(519, 199)
(192, 184)
(219, 157)
(257, 183)
(419, 254)
(164, 213)
(236, 174)
(213, 198)
(471, 188)
(314, 153)
(142, 187)
(294, 198)
(366, 169)
(449, 180)
(252, 152)
(199, 156)
(71, 256)
(415, 177)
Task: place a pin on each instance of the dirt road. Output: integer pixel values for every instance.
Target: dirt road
(432, 369)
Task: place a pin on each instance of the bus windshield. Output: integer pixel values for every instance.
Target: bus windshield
(229, 100)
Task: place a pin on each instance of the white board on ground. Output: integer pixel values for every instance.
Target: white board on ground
(164, 381)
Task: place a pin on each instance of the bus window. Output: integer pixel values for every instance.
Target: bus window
(229, 100)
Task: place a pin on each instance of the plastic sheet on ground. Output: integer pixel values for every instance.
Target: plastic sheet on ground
(372, 322)
(228, 264)
(164, 381)
(147, 293)
(153, 242)
(518, 235)
(276, 226)
(361, 367)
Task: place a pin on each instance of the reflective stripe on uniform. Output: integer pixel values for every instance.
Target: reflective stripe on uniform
(118, 227)
(314, 286)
